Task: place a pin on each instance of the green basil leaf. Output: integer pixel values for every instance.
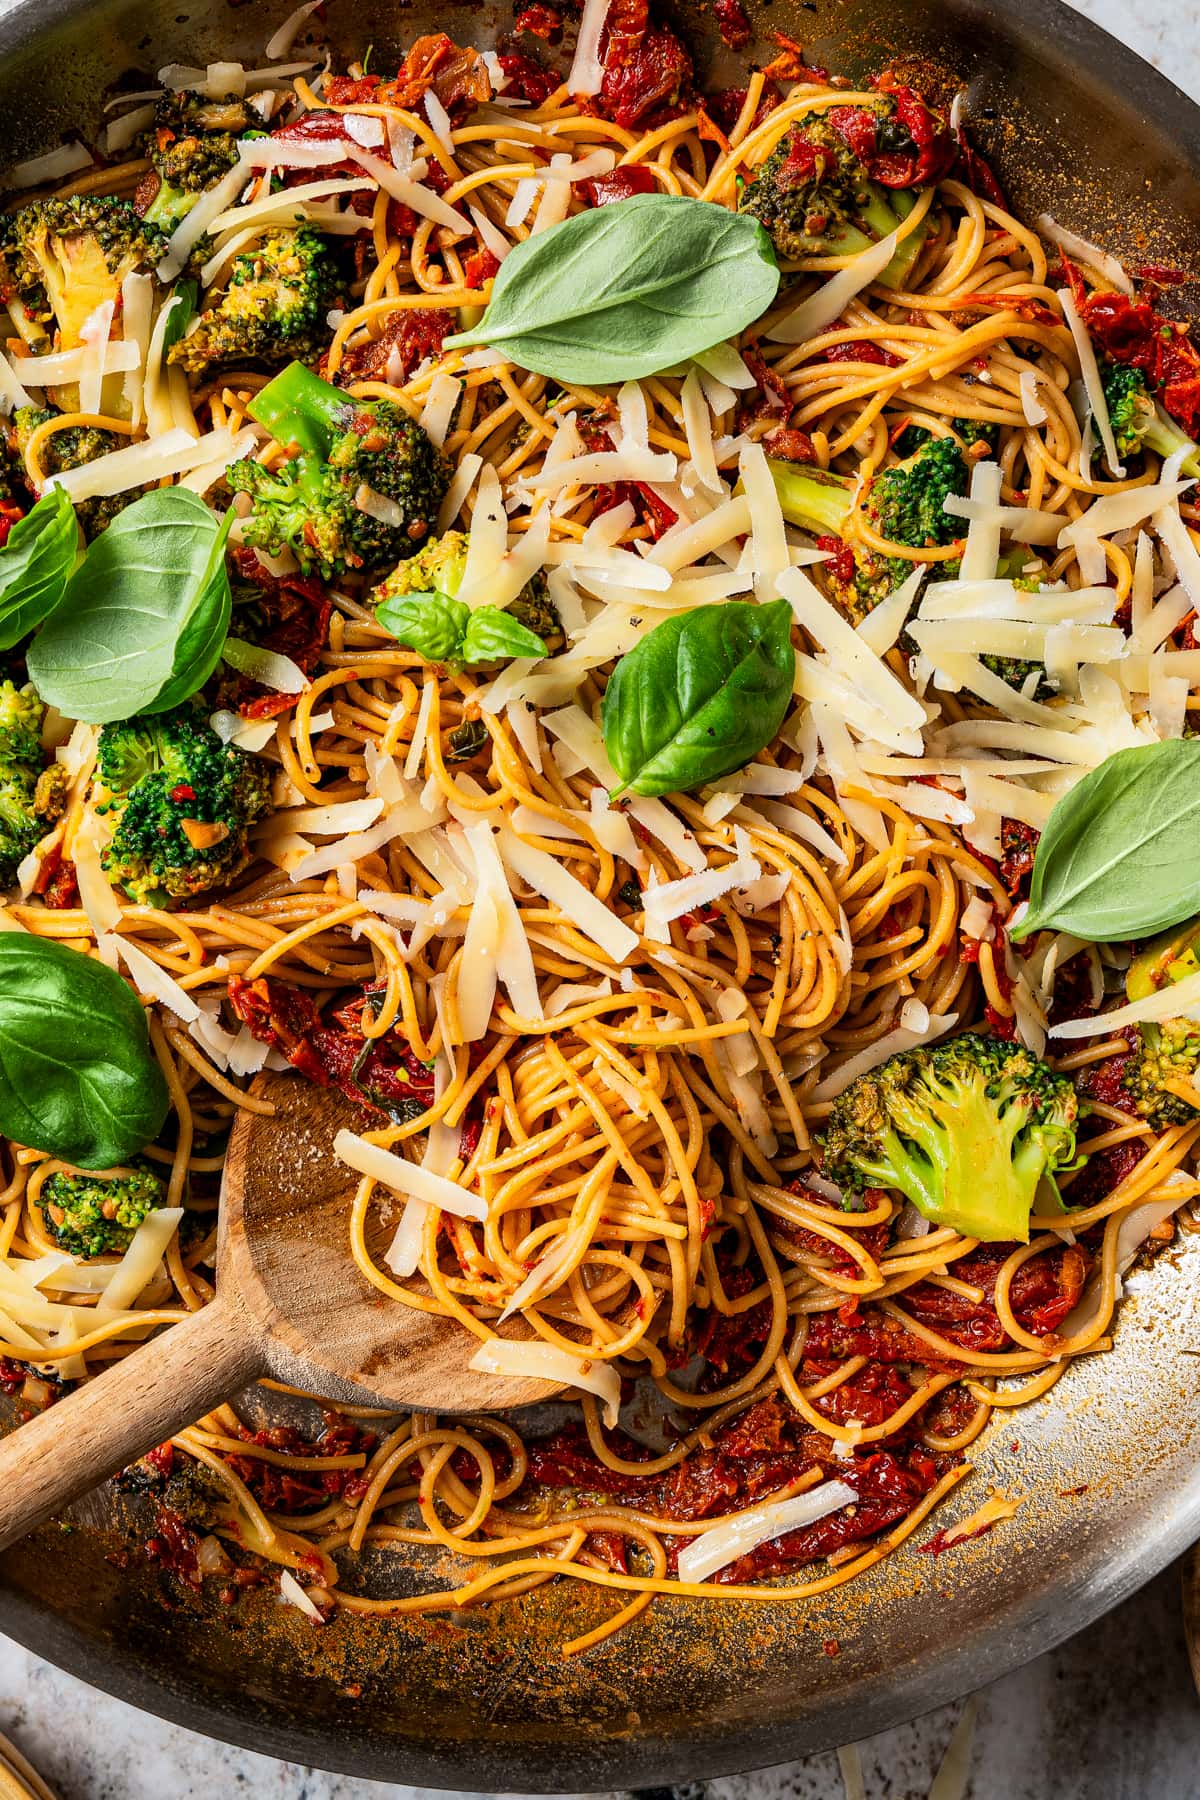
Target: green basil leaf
(1118, 858)
(78, 1078)
(431, 624)
(699, 696)
(144, 615)
(185, 294)
(619, 292)
(35, 565)
(492, 635)
(200, 643)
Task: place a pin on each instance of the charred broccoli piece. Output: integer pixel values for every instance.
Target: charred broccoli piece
(191, 143)
(273, 309)
(1138, 423)
(181, 804)
(965, 1129)
(61, 258)
(1165, 1067)
(971, 432)
(70, 449)
(814, 197)
(439, 566)
(31, 795)
(904, 504)
(97, 1215)
(348, 454)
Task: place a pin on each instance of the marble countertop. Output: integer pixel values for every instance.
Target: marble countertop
(1112, 1715)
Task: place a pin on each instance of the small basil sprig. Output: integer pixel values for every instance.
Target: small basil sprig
(78, 1078)
(1119, 858)
(443, 630)
(699, 696)
(182, 304)
(618, 292)
(35, 566)
(144, 616)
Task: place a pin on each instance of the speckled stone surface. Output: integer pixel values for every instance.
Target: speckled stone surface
(1110, 1716)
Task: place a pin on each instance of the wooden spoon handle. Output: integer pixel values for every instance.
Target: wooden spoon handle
(137, 1403)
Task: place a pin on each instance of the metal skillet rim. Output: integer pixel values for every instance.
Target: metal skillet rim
(1011, 1637)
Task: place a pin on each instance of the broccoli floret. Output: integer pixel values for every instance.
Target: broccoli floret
(972, 432)
(814, 198)
(1167, 1052)
(191, 144)
(904, 505)
(31, 796)
(70, 449)
(965, 1129)
(345, 450)
(1137, 423)
(61, 258)
(439, 566)
(273, 309)
(97, 1215)
(181, 804)
(906, 502)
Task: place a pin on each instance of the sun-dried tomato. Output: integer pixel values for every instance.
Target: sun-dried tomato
(862, 350)
(1132, 332)
(618, 184)
(648, 74)
(289, 615)
(526, 79)
(479, 267)
(378, 1073)
(407, 338)
(732, 23)
(541, 21)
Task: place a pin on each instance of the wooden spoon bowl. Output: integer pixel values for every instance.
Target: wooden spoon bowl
(291, 1303)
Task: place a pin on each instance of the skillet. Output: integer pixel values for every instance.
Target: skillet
(1109, 1462)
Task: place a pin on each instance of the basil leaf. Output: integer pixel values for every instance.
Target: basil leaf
(35, 565)
(443, 630)
(699, 696)
(200, 644)
(144, 616)
(77, 1075)
(431, 624)
(619, 292)
(1118, 858)
(184, 295)
(492, 635)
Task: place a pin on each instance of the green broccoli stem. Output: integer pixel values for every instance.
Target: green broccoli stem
(1164, 437)
(299, 408)
(811, 498)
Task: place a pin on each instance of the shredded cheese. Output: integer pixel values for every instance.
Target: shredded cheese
(723, 1543)
(532, 1360)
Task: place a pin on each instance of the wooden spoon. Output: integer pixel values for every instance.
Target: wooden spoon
(290, 1303)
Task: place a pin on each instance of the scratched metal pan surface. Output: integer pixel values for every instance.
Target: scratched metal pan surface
(1110, 1462)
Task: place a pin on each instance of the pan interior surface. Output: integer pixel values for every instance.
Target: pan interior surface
(1106, 1466)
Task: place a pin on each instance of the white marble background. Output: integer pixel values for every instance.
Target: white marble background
(1110, 1716)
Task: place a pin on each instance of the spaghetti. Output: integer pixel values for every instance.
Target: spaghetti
(619, 1030)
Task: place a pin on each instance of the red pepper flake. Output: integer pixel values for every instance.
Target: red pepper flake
(183, 792)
